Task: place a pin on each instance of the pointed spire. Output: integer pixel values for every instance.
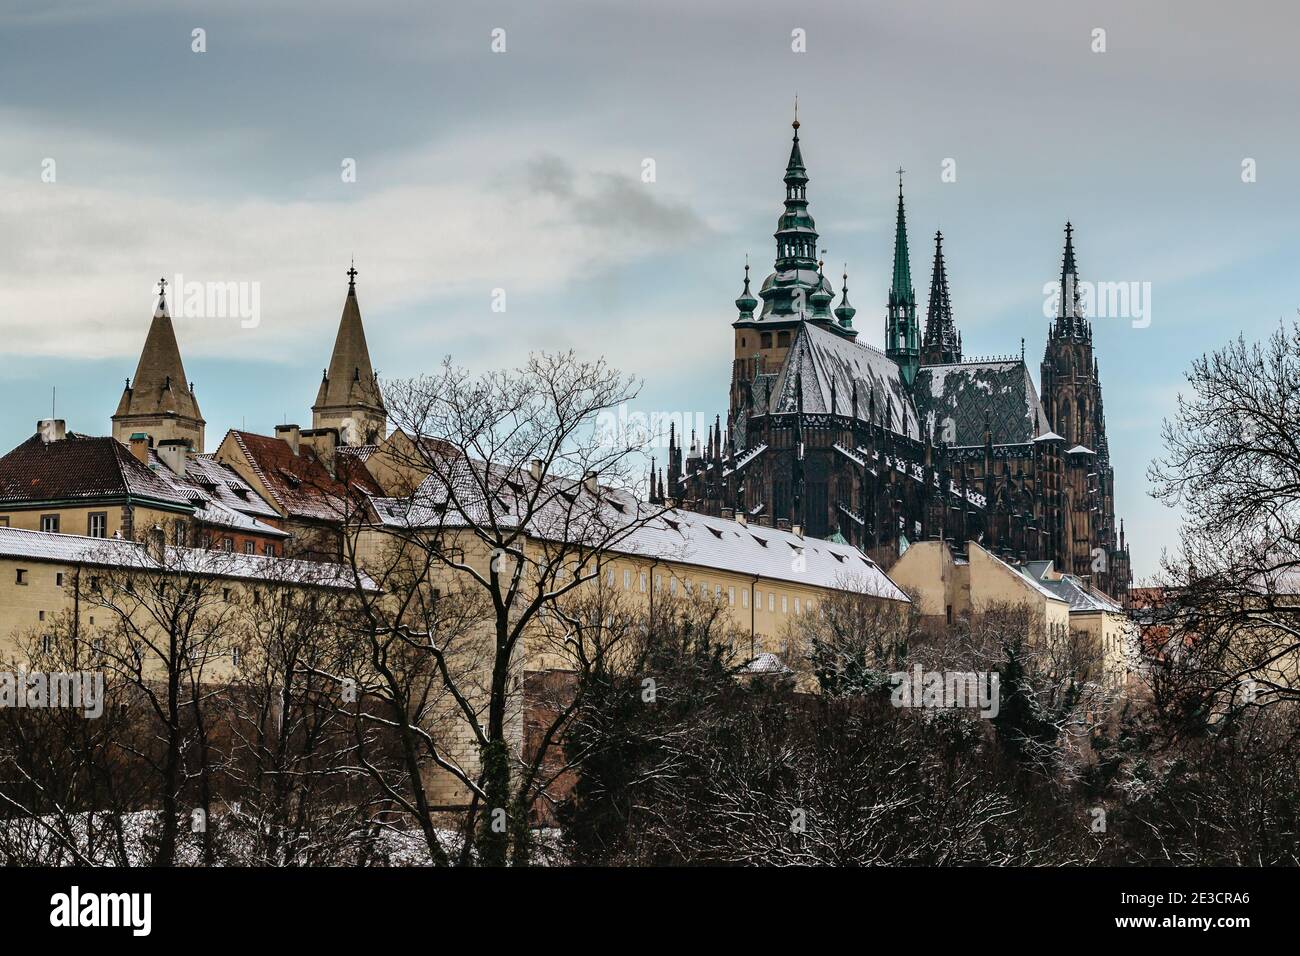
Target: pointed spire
(1070, 313)
(901, 288)
(746, 304)
(902, 337)
(348, 398)
(157, 400)
(845, 311)
(822, 296)
(942, 344)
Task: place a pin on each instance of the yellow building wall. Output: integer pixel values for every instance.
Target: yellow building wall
(76, 520)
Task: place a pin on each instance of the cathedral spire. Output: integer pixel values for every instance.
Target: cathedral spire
(902, 338)
(942, 345)
(348, 399)
(1070, 318)
(159, 401)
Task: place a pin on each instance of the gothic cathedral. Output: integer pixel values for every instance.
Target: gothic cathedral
(843, 441)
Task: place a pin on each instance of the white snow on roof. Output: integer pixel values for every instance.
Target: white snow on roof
(115, 552)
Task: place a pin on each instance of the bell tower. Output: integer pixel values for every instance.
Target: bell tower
(348, 399)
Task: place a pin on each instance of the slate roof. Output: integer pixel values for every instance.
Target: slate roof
(81, 467)
(1080, 596)
(299, 483)
(112, 552)
(962, 392)
(818, 358)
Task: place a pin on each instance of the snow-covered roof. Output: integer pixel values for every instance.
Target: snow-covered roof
(819, 359)
(567, 511)
(115, 552)
(955, 400)
(1080, 450)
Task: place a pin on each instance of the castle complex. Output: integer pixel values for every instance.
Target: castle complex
(882, 449)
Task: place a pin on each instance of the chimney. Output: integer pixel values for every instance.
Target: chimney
(290, 434)
(535, 469)
(670, 503)
(741, 519)
(797, 529)
(783, 524)
(174, 452)
(728, 513)
(140, 447)
(52, 429)
(589, 482)
(765, 521)
(322, 441)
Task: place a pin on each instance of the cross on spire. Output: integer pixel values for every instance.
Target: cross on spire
(352, 277)
(162, 286)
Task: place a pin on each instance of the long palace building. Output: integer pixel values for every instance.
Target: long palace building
(881, 449)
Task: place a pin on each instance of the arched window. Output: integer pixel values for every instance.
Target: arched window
(766, 340)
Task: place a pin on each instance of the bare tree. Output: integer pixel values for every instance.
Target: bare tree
(1230, 632)
(518, 497)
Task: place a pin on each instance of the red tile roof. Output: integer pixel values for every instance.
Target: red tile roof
(300, 483)
(80, 467)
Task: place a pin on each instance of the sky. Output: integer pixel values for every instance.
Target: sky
(516, 175)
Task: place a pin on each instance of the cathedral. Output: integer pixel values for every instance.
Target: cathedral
(836, 439)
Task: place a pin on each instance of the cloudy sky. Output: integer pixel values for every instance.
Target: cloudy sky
(521, 170)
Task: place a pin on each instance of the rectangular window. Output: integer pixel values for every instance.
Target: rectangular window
(785, 604)
(797, 608)
(50, 523)
(627, 579)
(744, 598)
(643, 585)
(227, 544)
(97, 524)
(771, 602)
(178, 534)
(268, 550)
(672, 585)
(58, 579)
(250, 547)
(4, 521)
(731, 596)
(20, 577)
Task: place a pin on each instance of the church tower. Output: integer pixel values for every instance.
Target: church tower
(942, 341)
(159, 401)
(1071, 384)
(902, 336)
(348, 399)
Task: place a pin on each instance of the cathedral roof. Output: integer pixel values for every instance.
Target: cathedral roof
(160, 385)
(953, 401)
(818, 359)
